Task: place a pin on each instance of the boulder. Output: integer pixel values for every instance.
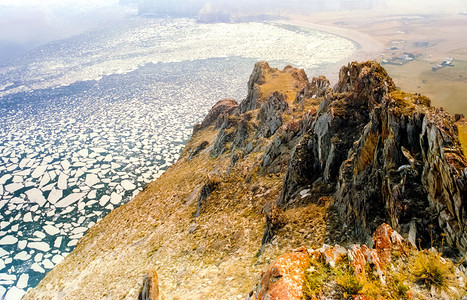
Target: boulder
(150, 289)
(284, 278)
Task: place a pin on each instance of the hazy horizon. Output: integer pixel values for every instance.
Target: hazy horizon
(26, 24)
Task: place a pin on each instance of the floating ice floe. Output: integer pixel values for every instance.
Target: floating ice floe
(51, 230)
(36, 268)
(58, 242)
(13, 187)
(35, 195)
(47, 264)
(57, 259)
(23, 255)
(128, 185)
(115, 198)
(62, 181)
(91, 179)
(8, 240)
(70, 199)
(39, 171)
(14, 293)
(23, 281)
(54, 195)
(41, 246)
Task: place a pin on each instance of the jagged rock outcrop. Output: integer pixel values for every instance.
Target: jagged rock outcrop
(318, 87)
(256, 78)
(385, 156)
(295, 163)
(222, 107)
(360, 272)
(270, 114)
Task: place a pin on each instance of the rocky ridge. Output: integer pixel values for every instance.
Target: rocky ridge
(297, 163)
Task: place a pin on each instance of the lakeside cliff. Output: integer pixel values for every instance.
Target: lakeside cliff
(297, 163)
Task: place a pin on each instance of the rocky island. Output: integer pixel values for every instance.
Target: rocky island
(265, 187)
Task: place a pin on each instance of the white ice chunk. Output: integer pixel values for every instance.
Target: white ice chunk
(62, 181)
(70, 199)
(58, 242)
(78, 230)
(99, 150)
(23, 255)
(115, 198)
(104, 199)
(41, 246)
(39, 234)
(65, 164)
(22, 244)
(128, 185)
(54, 195)
(8, 240)
(4, 224)
(51, 230)
(115, 165)
(36, 268)
(26, 172)
(91, 179)
(17, 178)
(23, 162)
(22, 281)
(81, 205)
(39, 171)
(3, 252)
(57, 259)
(45, 180)
(13, 187)
(79, 173)
(35, 195)
(72, 243)
(14, 293)
(2, 266)
(47, 264)
(8, 277)
(83, 152)
(38, 257)
(5, 178)
(92, 194)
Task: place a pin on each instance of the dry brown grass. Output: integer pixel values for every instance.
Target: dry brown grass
(462, 126)
(279, 81)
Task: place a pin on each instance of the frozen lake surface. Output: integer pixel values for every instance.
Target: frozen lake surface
(87, 122)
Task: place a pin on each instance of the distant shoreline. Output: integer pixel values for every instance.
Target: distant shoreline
(386, 35)
(367, 47)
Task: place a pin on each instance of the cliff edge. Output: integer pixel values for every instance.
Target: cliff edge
(297, 163)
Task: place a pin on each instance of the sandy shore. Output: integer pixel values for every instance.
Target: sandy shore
(381, 35)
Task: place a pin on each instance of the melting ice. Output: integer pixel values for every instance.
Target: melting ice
(87, 122)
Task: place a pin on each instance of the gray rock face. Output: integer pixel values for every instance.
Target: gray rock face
(222, 107)
(317, 88)
(384, 156)
(256, 78)
(270, 114)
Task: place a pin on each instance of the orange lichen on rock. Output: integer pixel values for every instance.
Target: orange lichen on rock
(284, 278)
(386, 239)
(332, 254)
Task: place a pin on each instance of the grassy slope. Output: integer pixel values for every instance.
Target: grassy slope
(152, 232)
